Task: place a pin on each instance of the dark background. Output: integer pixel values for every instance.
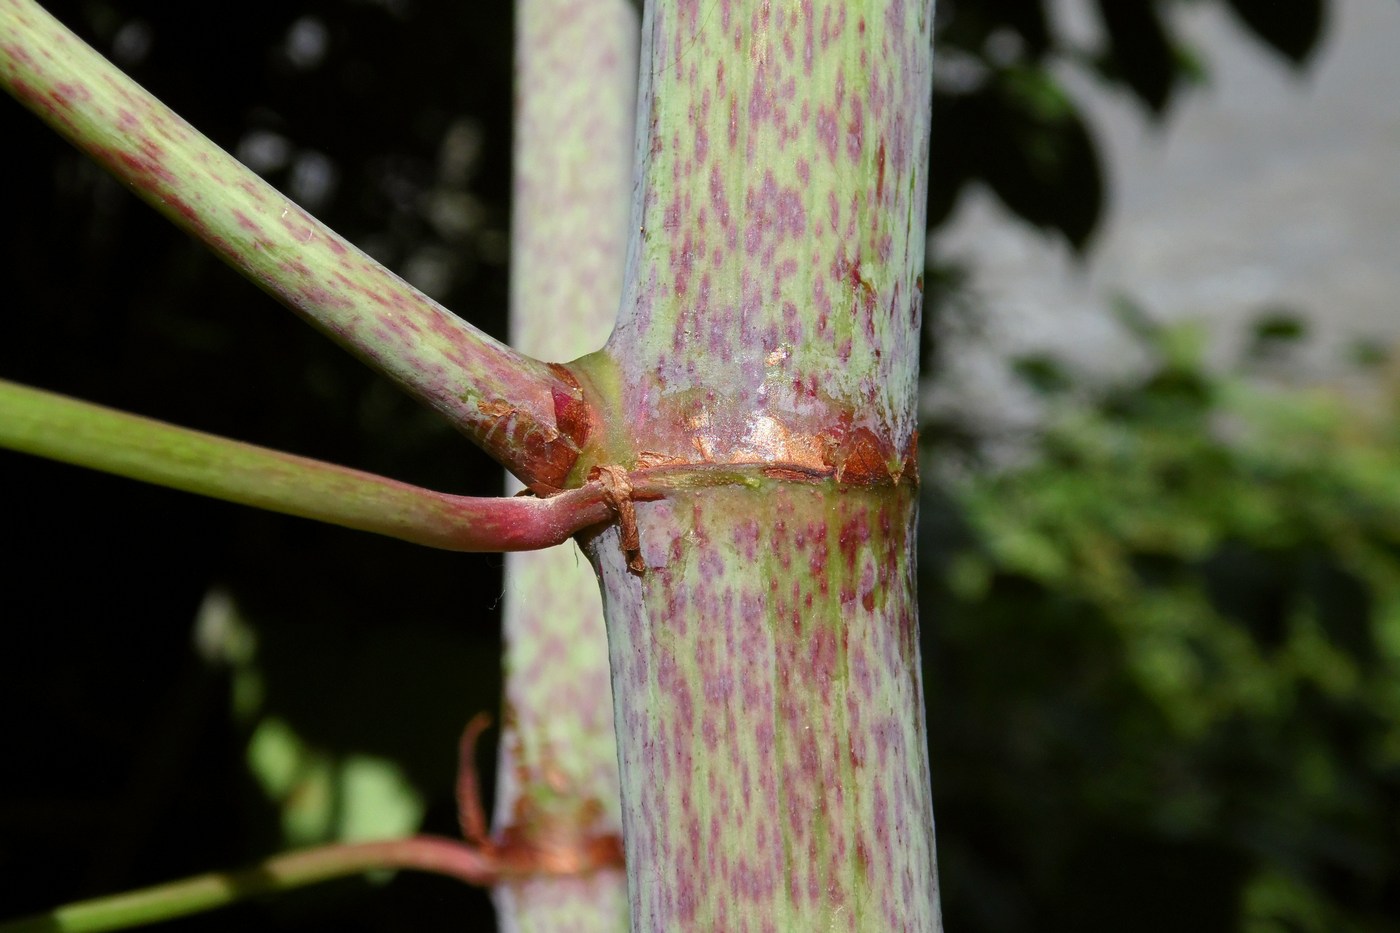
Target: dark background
(1073, 791)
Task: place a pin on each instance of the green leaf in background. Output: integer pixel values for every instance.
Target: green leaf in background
(322, 796)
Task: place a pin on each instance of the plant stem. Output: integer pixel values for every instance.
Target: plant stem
(775, 283)
(61, 428)
(766, 669)
(576, 71)
(770, 711)
(438, 855)
(527, 415)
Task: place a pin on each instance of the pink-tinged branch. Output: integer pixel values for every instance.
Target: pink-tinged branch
(61, 428)
(433, 854)
(526, 414)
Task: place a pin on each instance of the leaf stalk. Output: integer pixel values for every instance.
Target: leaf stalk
(527, 414)
(435, 854)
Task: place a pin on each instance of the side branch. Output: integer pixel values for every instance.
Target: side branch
(438, 855)
(48, 425)
(524, 413)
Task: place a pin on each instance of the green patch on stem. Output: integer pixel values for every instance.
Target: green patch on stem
(608, 442)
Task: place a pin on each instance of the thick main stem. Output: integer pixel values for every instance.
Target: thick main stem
(766, 672)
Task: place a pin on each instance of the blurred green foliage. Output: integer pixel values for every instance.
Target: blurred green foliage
(1164, 658)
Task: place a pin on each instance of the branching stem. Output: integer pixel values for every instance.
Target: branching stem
(50, 425)
(525, 413)
(61, 428)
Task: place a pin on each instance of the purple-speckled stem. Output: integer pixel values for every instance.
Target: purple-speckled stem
(526, 414)
(775, 276)
(770, 713)
(766, 672)
(576, 68)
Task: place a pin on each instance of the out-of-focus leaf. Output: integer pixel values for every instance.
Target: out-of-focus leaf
(296, 778)
(1136, 319)
(1290, 27)
(1275, 902)
(378, 802)
(1043, 373)
(1275, 331)
(1022, 135)
(1249, 588)
(324, 798)
(1344, 606)
(1369, 354)
(1139, 50)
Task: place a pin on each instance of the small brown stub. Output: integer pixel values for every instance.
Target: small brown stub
(909, 464)
(617, 489)
(525, 849)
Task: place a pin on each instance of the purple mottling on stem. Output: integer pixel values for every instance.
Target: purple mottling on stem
(795, 722)
(275, 243)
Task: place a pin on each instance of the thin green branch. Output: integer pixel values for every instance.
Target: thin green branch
(62, 428)
(439, 855)
(523, 412)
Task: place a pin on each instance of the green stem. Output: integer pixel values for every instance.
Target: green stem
(48, 425)
(575, 89)
(525, 413)
(764, 641)
(283, 872)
